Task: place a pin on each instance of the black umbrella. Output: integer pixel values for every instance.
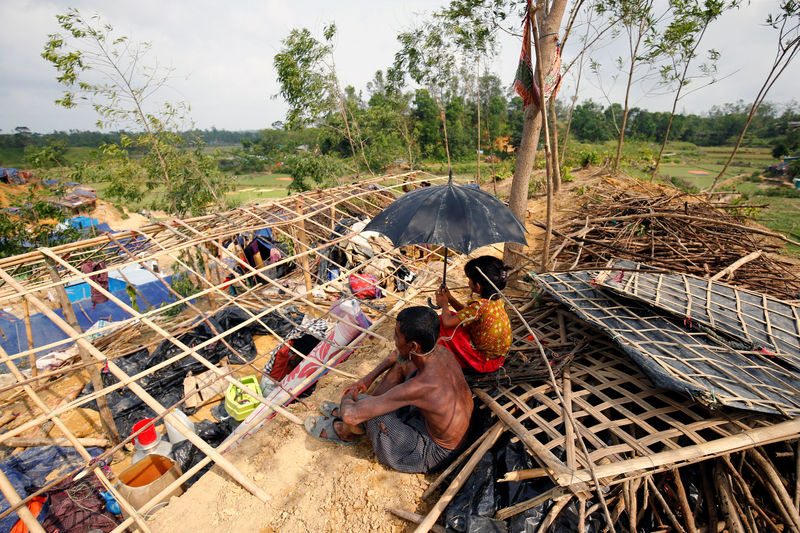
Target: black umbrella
(458, 217)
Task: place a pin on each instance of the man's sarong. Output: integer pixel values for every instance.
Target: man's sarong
(402, 442)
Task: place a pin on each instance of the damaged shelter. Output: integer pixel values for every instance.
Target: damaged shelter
(652, 382)
(240, 309)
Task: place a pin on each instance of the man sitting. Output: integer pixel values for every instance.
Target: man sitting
(418, 415)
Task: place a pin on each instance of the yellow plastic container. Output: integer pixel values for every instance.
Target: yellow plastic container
(239, 404)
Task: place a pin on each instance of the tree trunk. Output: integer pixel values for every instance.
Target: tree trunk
(478, 109)
(551, 107)
(531, 128)
(681, 83)
(634, 53)
(518, 197)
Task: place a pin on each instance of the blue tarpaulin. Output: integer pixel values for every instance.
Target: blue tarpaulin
(28, 470)
(82, 291)
(46, 332)
(82, 222)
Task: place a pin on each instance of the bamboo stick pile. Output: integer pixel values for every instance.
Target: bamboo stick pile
(675, 231)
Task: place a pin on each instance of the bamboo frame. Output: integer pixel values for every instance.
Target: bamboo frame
(180, 241)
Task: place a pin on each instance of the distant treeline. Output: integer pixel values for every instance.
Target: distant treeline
(721, 125)
(591, 122)
(23, 137)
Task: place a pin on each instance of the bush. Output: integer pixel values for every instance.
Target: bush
(535, 187)
(755, 177)
(588, 157)
(781, 192)
(683, 185)
(309, 170)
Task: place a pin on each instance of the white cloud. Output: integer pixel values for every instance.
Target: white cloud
(223, 53)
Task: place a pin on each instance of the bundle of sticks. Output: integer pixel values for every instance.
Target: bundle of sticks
(675, 231)
(743, 492)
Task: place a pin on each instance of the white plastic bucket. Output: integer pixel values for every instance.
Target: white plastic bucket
(174, 435)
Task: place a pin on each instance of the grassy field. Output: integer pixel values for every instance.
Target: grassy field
(781, 214)
(257, 186)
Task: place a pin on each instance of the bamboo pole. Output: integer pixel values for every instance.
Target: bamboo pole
(266, 413)
(680, 490)
(797, 475)
(570, 418)
(664, 505)
(303, 240)
(187, 350)
(27, 442)
(97, 382)
(447, 471)
(552, 514)
(23, 512)
(29, 336)
(748, 495)
(732, 268)
(544, 455)
(694, 453)
(415, 518)
(66, 432)
(726, 502)
(708, 492)
(507, 512)
(459, 481)
(777, 484)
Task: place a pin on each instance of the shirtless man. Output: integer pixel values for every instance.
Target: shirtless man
(418, 415)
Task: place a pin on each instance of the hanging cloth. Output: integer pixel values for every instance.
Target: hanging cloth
(101, 279)
(524, 84)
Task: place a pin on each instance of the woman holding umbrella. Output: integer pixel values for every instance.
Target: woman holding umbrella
(479, 334)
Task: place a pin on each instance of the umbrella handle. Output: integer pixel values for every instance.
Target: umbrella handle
(432, 305)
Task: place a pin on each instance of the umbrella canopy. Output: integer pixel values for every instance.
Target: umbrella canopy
(457, 217)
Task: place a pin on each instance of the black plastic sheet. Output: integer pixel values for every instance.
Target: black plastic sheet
(473, 508)
(166, 384)
(28, 470)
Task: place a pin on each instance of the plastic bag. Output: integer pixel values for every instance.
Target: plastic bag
(365, 286)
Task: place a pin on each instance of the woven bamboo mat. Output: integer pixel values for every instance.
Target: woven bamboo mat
(676, 357)
(751, 317)
(619, 413)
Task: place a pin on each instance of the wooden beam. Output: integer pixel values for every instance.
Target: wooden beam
(97, 381)
(458, 482)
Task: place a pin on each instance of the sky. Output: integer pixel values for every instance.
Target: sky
(222, 54)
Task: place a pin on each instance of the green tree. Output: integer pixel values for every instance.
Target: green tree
(119, 80)
(307, 75)
(429, 57)
(52, 154)
(787, 22)
(638, 20)
(680, 42)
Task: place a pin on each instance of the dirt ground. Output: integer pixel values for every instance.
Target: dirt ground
(313, 486)
(105, 212)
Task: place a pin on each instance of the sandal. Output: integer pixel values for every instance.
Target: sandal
(327, 408)
(315, 425)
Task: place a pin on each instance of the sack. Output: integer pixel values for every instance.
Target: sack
(365, 286)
